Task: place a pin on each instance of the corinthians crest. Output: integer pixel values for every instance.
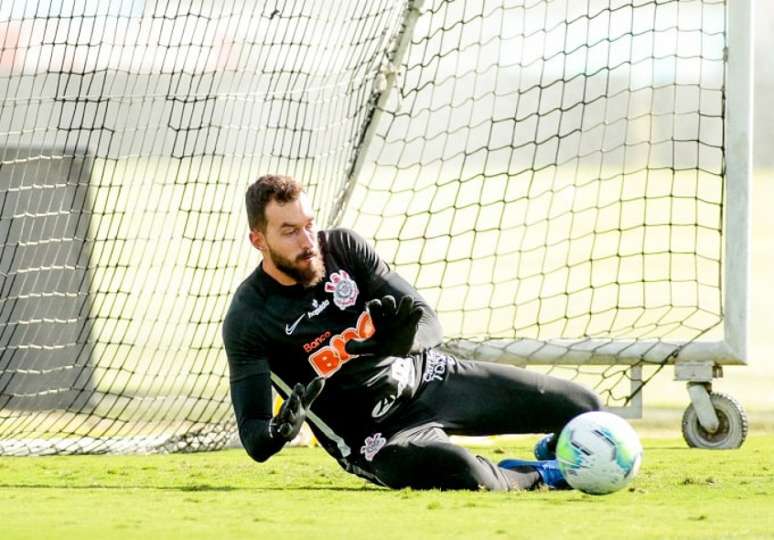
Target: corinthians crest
(344, 289)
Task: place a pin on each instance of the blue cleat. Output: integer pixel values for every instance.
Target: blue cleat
(542, 451)
(548, 470)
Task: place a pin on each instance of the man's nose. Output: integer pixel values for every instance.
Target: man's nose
(307, 239)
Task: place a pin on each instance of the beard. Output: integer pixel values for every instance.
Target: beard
(308, 276)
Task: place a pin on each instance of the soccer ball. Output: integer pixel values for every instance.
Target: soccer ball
(598, 452)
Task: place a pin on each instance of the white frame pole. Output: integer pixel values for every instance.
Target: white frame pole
(412, 13)
(738, 118)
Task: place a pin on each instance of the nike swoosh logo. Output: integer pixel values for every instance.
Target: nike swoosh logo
(290, 329)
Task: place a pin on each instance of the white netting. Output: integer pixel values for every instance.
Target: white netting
(542, 170)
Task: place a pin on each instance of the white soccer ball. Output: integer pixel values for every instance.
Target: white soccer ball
(598, 452)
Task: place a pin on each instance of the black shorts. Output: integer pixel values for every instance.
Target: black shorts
(459, 397)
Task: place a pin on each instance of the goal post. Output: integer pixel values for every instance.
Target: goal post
(739, 99)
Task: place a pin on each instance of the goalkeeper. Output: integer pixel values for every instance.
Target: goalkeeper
(352, 347)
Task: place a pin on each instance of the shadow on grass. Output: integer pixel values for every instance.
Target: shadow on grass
(196, 487)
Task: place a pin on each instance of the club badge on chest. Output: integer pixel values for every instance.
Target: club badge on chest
(344, 289)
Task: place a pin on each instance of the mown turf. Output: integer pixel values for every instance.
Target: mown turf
(301, 493)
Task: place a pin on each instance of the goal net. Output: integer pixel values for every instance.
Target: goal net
(550, 174)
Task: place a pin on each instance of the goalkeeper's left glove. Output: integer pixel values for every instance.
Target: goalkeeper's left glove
(394, 327)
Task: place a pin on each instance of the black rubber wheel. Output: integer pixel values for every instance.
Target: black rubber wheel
(732, 429)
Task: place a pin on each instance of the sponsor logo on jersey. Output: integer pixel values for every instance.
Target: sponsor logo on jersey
(372, 445)
(435, 366)
(402, 372)
(316, 342)
(344, 289)
(317, 308)
(330, 358)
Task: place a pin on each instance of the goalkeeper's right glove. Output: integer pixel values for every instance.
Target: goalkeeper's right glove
(286, 425)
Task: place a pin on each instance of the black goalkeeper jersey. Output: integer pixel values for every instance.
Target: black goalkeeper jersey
(281, 335)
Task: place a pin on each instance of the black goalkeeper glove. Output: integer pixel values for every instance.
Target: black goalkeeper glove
(292, 414)
(394, 327)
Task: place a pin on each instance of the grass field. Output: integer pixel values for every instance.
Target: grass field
(301, 493)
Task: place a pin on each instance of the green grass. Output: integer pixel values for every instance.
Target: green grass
(301, 493)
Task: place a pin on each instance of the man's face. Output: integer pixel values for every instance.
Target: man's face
(290, 241)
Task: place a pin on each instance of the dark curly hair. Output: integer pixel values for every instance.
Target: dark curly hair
(271, 187)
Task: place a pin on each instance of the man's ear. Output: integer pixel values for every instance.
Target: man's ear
(258, 240)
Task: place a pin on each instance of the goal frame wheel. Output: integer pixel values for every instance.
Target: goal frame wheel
(732, 425)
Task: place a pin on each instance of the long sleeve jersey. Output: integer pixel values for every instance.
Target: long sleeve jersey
(278, 335)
